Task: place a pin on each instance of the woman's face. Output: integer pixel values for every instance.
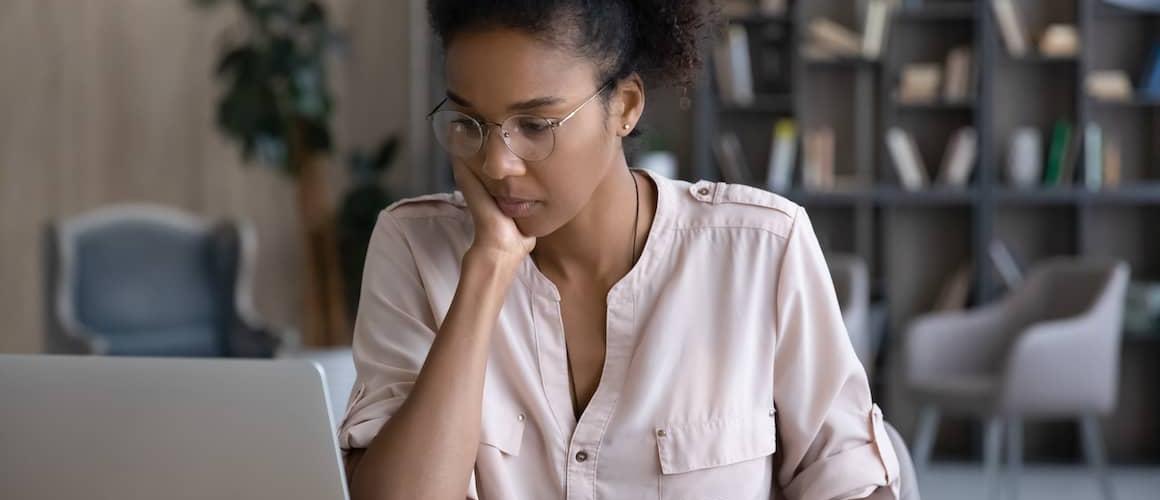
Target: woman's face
(494, 74)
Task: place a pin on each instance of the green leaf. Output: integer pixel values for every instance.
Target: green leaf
(312, 14)
(316, 136)
(386, 154)
(241, 62)
(272, 150)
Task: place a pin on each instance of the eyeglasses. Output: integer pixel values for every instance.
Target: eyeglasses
(530, 137)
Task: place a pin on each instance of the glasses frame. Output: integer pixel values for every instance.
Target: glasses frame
(485, 126)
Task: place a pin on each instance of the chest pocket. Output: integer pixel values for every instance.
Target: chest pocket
(502, 427)
(722, 458)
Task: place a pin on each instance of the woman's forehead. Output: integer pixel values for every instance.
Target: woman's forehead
(495, 69)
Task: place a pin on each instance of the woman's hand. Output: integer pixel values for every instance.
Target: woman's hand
(496, 234)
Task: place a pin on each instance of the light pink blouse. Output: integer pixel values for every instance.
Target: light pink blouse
(728, 372)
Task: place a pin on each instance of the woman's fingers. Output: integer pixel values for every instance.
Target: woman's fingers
(493, 229)
(479, 201)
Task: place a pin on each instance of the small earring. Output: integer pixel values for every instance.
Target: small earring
(627, 126)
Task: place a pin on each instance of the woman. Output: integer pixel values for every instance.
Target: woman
(569, 328)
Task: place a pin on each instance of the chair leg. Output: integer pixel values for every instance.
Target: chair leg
(992, 453)
(1014, 455)
(1093, 450)
(925, 437)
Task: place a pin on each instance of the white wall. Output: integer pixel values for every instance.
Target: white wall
(110, 101)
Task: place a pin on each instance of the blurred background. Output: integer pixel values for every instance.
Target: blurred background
(200, 178)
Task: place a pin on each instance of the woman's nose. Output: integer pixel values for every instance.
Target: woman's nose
(498, 161)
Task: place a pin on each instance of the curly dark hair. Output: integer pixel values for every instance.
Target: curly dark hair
(658, 39)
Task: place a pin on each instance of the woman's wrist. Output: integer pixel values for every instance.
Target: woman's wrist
(486, 270)
(499, 262)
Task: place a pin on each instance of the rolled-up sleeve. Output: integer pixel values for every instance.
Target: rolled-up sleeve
(392, 335)
(833, 443)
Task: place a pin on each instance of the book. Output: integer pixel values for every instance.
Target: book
(874, 33)
(1071, 159)
(907, 159)
(1010, 27)
(959, 159)
(920, 83)
(734, 67)
(812, 51)
(1150, 79)
(1093, 156)
(723, 71)
(774, 7)
(771, 47)
(1005, 264)
(736, 8)
(956, 291)
(1113, 166)
(957, 82)
(782, 155)
(818, 159)
(1109, 85)
(731, 159)
(1056, 152)
(835, 38)
(1025, 158)
(1060, 40)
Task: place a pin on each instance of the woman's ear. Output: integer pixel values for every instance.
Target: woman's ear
(628, 104)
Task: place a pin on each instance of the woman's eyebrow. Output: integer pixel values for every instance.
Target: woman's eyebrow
(527, 105)
(538, 102)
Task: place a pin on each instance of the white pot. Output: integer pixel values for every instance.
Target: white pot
(660, 162)
(1025, 158)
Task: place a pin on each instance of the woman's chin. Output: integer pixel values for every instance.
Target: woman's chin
(535, 226)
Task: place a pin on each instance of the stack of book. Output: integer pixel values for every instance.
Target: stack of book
(831, 40)
(928, 82)
(1102, 157)
(817, 159)
(733, 66)
(958, 162)
(1058, 40)
(1116, 85)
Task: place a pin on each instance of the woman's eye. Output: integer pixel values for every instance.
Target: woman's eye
(533, 125)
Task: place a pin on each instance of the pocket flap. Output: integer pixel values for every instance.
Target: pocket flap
(714, 443)
(502, 428)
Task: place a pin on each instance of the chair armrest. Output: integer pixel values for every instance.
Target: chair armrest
(959, 342)
(254, 338)
(70, 337)
(1063, 367)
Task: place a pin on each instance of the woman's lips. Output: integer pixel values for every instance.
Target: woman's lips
(515, 207)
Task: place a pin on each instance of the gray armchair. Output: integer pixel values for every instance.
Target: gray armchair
(1050, 349)
(145, 280)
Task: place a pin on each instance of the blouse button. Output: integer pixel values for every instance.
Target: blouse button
(772, 412)
(520, 417)
(661, 433)
(581, 456)
(703, 191)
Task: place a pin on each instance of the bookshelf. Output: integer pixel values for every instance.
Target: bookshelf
(914, 241)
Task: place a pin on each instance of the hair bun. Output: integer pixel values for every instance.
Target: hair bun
(669, 36)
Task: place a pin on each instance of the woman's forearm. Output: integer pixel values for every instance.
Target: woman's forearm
(427, 449)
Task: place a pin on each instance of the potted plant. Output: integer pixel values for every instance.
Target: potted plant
(277, 107)
(656, 155)
(360, 211)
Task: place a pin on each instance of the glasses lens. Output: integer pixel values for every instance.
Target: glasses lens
(529, 137)
(458, 133)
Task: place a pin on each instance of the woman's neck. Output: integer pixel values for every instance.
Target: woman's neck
(598, 242)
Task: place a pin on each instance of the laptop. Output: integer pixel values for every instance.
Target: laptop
(151, 428)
